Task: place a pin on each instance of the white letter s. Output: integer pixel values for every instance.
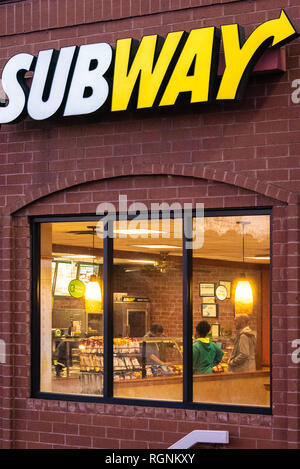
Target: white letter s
(14, 87)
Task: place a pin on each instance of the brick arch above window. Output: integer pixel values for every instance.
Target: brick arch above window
(251, 184)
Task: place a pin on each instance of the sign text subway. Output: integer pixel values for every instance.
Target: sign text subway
(151, 73)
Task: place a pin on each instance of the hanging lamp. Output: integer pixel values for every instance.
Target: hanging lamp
(243, 294)
(93, 295)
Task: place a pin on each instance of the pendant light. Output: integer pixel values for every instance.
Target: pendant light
(243, 293)
(93, 295)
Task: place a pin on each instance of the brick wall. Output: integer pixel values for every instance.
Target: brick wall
(40, 15)
(227, 155)
(40, 423)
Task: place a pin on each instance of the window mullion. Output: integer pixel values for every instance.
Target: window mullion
(108, 311)
(35, 307)
(187, 311)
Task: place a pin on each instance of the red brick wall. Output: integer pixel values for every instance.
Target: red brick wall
(234, 155)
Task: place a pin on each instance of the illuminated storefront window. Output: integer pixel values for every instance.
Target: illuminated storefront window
(135, 312)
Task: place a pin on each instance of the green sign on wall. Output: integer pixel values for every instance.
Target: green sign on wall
(76, 288)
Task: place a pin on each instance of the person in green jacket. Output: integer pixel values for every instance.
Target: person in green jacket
(206, 354)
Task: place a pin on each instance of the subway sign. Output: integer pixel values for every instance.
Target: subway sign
(152, 73)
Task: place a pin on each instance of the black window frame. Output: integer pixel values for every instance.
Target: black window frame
(187, 311)
(3, 2)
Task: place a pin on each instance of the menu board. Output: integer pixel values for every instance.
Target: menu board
(86, 271)
(65, 273)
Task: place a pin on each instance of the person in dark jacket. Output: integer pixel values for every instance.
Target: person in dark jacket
(243, 353)
(206, 354)
(60, 358)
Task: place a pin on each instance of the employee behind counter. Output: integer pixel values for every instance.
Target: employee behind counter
(152, 353)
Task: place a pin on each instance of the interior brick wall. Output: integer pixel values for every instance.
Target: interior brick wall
(165, 293)
(244, 154)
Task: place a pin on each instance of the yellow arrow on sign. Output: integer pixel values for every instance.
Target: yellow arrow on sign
(241, 55)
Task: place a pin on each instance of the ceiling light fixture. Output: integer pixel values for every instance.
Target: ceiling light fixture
(262, 258)
(138, 231)
(93, 295)
(156, 246)
(243, 293)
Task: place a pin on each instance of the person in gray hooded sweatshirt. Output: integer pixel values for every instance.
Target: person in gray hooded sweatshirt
(243, 353)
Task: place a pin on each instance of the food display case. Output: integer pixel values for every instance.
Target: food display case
(91, 365)
(130, 361)
(169, 352)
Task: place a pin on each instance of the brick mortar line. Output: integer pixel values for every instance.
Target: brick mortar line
(118, 18)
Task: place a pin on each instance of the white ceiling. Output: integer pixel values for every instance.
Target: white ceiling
(223, 238)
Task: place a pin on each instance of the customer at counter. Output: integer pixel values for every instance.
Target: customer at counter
(206, 354)
(243, 353)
